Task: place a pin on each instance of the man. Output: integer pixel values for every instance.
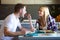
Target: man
(11, 22)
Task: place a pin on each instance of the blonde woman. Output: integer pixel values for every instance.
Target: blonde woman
(45, 19)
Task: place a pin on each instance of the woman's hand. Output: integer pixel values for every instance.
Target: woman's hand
(29, 16)
(32, 29)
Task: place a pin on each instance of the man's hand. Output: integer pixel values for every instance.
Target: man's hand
(23, 30)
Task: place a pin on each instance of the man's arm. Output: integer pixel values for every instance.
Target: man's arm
(9, 33)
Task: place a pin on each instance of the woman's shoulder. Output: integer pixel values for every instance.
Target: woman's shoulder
(49, 16)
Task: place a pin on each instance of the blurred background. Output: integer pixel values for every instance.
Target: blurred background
(7, 7)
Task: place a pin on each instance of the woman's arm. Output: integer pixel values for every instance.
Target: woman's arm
(31, 25)
(51, 23)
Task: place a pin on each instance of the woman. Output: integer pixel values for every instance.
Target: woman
(46, 21)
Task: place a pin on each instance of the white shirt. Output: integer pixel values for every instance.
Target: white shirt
(11, 22)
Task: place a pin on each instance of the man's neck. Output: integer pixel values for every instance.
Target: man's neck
(17, 15)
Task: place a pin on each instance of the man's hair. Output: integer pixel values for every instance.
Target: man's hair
(18, 7)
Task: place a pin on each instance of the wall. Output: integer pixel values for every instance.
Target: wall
(7, 6)
(30, 1)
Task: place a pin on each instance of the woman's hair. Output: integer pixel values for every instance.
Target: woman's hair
(45, 9)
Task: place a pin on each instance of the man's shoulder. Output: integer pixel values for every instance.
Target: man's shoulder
(10, 16)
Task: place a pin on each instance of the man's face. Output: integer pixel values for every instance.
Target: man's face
(24, 11)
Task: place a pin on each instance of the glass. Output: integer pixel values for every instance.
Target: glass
(59, 25)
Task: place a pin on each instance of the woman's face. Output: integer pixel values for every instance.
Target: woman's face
(40, 12)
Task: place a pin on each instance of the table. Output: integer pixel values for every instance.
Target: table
(42, 36)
